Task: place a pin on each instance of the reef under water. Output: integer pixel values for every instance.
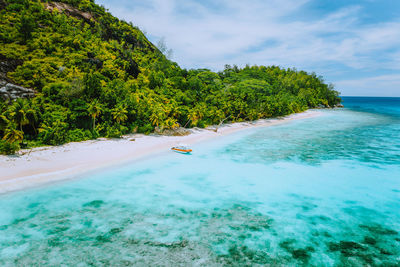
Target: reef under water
(323, 191)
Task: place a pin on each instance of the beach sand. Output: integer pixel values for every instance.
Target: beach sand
(42, 165)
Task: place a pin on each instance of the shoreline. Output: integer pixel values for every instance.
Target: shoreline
(44, 165)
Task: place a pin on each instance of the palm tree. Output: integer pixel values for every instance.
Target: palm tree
(19, 111)
(119, 113)
(3, 122)
(94, 110)
(157, 116)
(154, 118)
(12, 135)
(32, 116)
(194, 116)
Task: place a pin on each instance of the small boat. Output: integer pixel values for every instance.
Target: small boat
(181, 149)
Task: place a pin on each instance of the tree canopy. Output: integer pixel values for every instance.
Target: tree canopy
(96, 75)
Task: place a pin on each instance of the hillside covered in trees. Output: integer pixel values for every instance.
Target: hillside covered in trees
(95, 75)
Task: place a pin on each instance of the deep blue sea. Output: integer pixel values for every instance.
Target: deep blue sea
(323, 191)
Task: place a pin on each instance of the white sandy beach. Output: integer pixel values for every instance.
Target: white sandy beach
(30, 168)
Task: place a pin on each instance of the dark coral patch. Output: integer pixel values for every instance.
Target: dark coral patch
(378, 229)
(57, 230)
(19, 220)
(347, 248)
(369, 240)
(103, 239)
(302, 254)
(94, 204)
(115, 231)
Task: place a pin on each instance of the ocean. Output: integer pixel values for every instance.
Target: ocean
(323, 191)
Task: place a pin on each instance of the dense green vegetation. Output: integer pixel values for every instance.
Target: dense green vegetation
(99, 76)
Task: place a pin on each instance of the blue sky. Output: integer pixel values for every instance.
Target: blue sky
(353, 44)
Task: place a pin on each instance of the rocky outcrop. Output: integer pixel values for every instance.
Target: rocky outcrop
(69, 10)
(320, 106)
(327, 106)
(179, 131)
(9, 91)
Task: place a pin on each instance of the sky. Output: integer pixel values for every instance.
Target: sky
(353, 44)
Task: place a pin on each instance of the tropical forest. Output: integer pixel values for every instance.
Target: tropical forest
(93, 75)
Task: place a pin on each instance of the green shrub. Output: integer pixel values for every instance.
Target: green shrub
(77, 135)
(55, 134)
(113, 132)
(7, 148)
(201, 124)
(146, 129)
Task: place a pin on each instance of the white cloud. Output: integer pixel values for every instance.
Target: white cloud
(372, 86)
(238, 32)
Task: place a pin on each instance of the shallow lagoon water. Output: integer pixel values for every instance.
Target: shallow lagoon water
(323, 191)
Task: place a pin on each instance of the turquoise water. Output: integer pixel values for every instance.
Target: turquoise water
(322, 191)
